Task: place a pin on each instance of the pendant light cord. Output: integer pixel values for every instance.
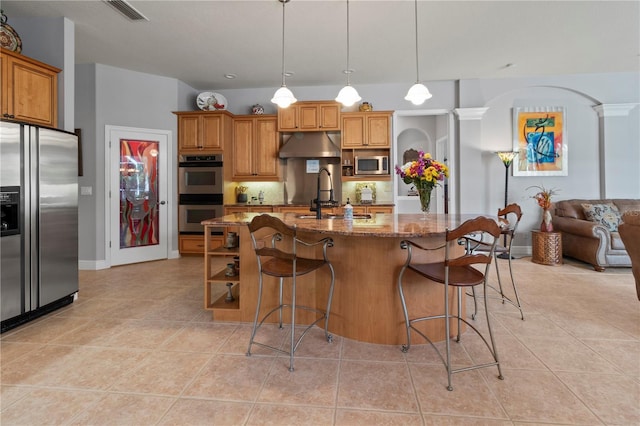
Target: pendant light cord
(348, 70)
(416, 19)
(283, 16)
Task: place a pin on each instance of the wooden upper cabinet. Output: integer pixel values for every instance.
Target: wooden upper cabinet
(29, 89)
(366, 129)
(309, 116)
(203, 131)
(288, 119)
(256, 143)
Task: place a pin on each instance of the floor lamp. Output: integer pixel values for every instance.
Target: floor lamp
(507, 159)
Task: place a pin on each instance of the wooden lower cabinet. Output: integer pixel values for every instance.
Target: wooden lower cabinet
(362, 209)
(194, 244)
(294, 209)
(248, 209)
(379, 209)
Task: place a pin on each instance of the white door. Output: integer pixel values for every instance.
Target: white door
(137, 188)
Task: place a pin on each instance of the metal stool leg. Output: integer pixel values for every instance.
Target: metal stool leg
(494, 349)
(255, 320)
(515, 290)
(495, 261)
(459, 292)
(405, 348)
(475, 303)
(293, 323)
(328, 336)
(447, 336)
(280, 302)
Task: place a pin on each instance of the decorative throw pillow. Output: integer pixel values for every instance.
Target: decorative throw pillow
(606, 215)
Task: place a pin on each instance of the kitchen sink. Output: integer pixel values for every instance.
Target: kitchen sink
(332, 216)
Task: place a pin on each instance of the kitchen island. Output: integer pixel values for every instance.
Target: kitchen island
(366, 257)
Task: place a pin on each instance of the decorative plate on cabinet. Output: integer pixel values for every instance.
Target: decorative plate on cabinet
(211, 101)
(9, 38)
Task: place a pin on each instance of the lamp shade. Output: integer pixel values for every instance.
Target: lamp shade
(417, 94)
(283, 97)
(348, 96)
(507, 156)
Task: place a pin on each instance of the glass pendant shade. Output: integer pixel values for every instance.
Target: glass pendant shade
(348, 96)
(418, 93)
(283, 97)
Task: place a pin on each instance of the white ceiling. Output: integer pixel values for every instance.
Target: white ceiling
(198, 42)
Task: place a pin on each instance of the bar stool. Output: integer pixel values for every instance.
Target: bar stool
(510, 216)
(276, 246)
(457, 272)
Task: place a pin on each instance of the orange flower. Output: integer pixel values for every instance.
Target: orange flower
(543, 198)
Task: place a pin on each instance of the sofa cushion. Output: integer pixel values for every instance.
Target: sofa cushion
(625, 205)
(569, 209)
(632, 217)
(607, 215)
(616, 241)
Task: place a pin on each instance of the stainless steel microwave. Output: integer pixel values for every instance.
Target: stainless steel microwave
(371, 165)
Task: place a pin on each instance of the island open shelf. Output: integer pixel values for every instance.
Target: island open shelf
(366, 256)
(218, 280)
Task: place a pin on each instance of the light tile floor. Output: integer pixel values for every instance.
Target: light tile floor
(137, 348)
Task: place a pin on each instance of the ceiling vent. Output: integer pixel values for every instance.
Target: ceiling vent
(126, 9)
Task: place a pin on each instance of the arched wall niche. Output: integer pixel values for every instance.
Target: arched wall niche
(429, 131)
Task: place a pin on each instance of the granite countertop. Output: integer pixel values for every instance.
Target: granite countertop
(283, 204)
(379, 225)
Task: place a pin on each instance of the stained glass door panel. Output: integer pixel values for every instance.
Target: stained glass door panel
(138, 211)
(138, 193)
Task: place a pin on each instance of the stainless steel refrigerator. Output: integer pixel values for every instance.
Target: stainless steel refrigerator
(39, 200)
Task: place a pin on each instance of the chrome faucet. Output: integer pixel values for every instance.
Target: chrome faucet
(318, 203)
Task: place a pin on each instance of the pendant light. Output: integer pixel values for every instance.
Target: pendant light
(283, 96)
(418, 93)
(348, 95)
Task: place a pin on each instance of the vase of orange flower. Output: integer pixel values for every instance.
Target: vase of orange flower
(543, 198)
(425, 174)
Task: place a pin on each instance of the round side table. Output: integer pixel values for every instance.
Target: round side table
(546, 248)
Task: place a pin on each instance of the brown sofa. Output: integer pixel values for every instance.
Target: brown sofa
(630, 234)
(589, 241)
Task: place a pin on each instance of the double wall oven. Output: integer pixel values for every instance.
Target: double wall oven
(201, 182)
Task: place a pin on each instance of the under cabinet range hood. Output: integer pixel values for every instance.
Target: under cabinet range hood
(310, 145)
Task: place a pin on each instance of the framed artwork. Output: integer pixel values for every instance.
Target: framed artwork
(540, 138)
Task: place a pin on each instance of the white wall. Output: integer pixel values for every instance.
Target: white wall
(121, 98)
(85, 118)
(586, 172)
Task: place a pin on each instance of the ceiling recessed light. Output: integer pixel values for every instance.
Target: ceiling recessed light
(230, 76)
(349, 71)
(289, 73)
